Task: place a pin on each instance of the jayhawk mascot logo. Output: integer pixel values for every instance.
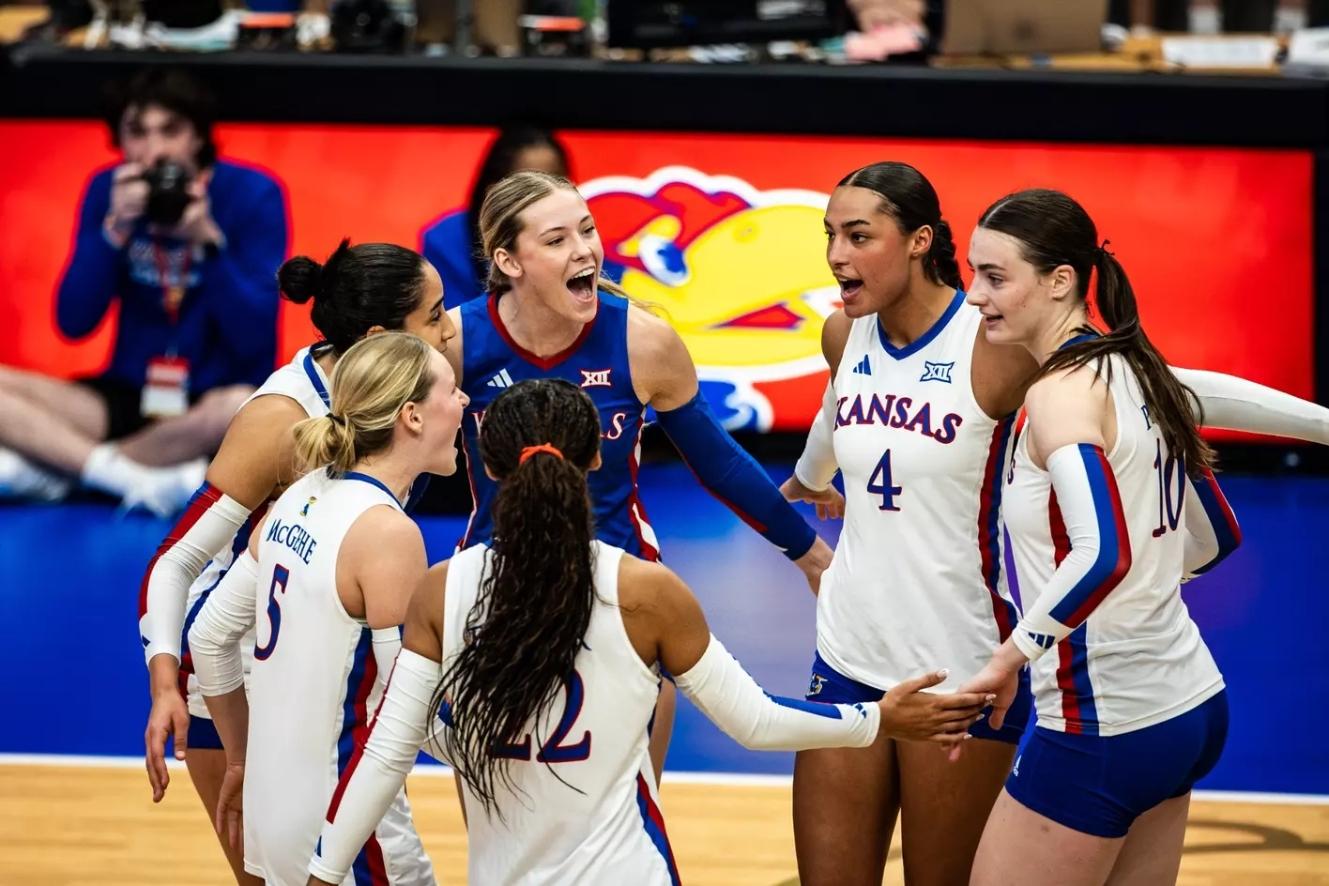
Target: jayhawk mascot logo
(740, 273)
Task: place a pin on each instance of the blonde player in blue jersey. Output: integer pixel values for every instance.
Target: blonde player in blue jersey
(541, 652)
(550, 314)
(360, 290)
(326, 579)
(919, 417)
(1109, 505)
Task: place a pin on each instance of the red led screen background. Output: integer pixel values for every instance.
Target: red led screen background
(723, 232)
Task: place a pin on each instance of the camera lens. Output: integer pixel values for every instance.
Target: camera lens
(168, 193)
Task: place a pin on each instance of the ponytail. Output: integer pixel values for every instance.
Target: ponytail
(539, 438)
(1172, 406)
(1054, 230)
(327, 440)
(941, 265)
(370, 385)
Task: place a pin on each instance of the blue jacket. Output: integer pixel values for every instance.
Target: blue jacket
(446, 244)
(227, 327)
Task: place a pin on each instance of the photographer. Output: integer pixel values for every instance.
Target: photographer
(189, 246)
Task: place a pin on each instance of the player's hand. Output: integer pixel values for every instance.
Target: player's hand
(129, 200)
(814, 563)
(909, 713)
(998, 680)
(829, 502)
(169, 717)
(230, 821)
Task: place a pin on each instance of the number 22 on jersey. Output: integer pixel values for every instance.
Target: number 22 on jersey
(554, 750)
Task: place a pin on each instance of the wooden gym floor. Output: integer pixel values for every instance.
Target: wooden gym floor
(63, 825)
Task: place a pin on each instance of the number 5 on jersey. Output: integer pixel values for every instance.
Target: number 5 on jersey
(880, 484)
(280, 575)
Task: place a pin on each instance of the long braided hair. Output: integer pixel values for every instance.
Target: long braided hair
(538, 439)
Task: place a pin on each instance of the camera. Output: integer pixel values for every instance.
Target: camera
(168, 193)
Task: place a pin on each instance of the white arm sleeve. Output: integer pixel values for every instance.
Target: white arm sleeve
(1240, 405)
(816, 467)
(208, 526)
(1100, 549)
(216, 632)
(367, 789)
(725, 693)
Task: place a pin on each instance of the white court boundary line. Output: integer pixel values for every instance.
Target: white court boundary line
(728, 779)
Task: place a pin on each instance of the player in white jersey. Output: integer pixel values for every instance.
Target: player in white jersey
(326, 579)
(1105, 518)
(358, 291)
(539, 661)
(919, 418)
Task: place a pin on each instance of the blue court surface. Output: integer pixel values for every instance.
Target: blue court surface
(69, 577)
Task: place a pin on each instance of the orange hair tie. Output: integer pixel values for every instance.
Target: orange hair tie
(543, 447)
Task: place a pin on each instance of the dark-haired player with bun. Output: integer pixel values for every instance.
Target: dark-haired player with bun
(360, 290)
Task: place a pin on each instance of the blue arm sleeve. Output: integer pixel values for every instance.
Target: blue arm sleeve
(1211, 527)
(734, 477)
(240, 283)
(94, 270)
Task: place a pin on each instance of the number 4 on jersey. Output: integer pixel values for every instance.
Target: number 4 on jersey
(880, 484)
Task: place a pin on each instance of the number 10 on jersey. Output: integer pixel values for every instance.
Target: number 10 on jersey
(880, 484)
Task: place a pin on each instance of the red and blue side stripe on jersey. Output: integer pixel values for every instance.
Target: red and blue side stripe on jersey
(653, 821)
(1077, 690)
(1226, 530)
(989, 529)
(368, 868)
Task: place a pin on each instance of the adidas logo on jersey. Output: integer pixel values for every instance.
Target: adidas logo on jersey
(1044, 641)
(502, 380)
(863, 367)
(937, 371)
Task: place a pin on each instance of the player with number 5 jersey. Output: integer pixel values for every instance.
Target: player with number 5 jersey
(326, 582)
(534, 663)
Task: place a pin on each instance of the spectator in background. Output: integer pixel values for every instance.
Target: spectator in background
(452, 244)
(197, 311)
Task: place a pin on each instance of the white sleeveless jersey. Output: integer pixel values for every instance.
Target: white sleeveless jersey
(317, 678)
(1138, 659)
(594, 738)
(304, 381)
(915, 584)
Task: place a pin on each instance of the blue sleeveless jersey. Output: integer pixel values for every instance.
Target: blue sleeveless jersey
(597, 362)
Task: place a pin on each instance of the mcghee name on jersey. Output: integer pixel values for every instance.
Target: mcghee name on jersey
(293, 536)
(889, 410)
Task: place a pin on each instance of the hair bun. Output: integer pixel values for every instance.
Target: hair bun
(300, 279)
